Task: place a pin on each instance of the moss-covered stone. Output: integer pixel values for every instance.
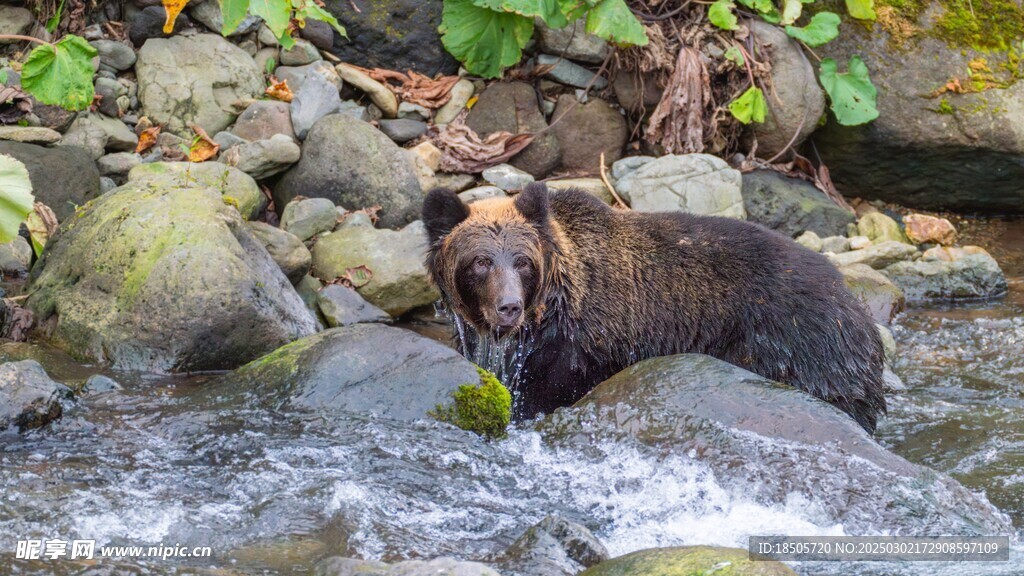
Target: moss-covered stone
(238, 189)
(484, 408)
(688, 561)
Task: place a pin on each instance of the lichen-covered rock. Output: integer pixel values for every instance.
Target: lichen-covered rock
(694, 183)
(971, 276)
(879, 228)
(512, 107)
(195, 79)
(810, 240)
(595, 123)
(287, 250)
(923, 229)
(791, 206)
(880, 296)
(28, 397)
(237, 187)
(689, 561)
(180, 284)
(62, 177)
(484, 408)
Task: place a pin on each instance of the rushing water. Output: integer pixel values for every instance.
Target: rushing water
(158, 463)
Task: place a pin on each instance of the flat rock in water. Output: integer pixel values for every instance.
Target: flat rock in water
(555, 546)
(973, 276)
(28, 397)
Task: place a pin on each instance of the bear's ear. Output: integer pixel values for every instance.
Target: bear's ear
(532, 203)
(442, 211)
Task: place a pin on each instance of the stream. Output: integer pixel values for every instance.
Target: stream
(158, 462)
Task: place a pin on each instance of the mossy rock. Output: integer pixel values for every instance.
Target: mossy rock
(688, 561)
(484, 408)
(238, 189)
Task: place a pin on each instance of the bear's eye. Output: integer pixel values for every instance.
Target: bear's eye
(482, 264)
(523, 263)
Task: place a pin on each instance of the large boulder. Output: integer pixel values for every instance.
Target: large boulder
(931, 147)
(555, 546)
(791, 206)
(158, 277)
(689, 561)
(237, 187)
(62, 178)
(971, 276)
(597, 124)
(694, 183)
(777, 442)
(195, 79)
(28, 397)
(355, 166)
(512, 107)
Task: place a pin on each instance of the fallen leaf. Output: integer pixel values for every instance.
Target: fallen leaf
(279, 90)
(464, 151)
(416, 88)
(354, 277)
(173, 8)
(14, 104)
(203, 147)
(147, 139)
(15, 320)
(41, 224)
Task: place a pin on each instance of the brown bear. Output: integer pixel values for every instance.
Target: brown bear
(557, 291)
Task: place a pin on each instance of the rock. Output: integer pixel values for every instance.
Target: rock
(402, 130)
(460, 95)
(481, 193)
(429, 154)
(98, 384)
(268, 59)
(238, 188)
(797, 102)
(15, 256)
(572, 42)
(107, 184)
(29, 134)
(810, 240)
(28, 397)
(456, 182)
(877, 256)
(342, 306)
(296, 75)
(393, 34)
(595, 123)
(971, 276)
(735, 422)
(209, 13)
(882, 299)
(507, 177)
(338, 566)
(112, 95)
(593, 186)
(399, 283)
(570, 73)
(353, 109)
(227, 141)
(286, 249)
(410, 111)
(62, 178)
(15, 20)
(316, 99)
(197, 79)
(554, 546)
(689, 560)
(379, 94)
(627, 165)
(512, 107)
(880, 228)
(342, 370)
(356, 166)
(98, 133)
(117, 56)
(149, 24)
(319, 33)
(835, 244)
(263, 158)
(308, 289)
(308, 217)
(302, 53)
(695, 183)
(635, 97)
(950, 253)
(118, 163)
(922, 229)
(171, 255)
(263, 119)
(859, 242)
(790, 205)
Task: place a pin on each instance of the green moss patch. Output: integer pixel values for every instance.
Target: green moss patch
(485, 409)
(984, 25)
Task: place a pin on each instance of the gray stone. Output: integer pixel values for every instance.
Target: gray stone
(227, 140)
(481, 193)
(402, 130)
(810, 240)
(308, 289)
(308, 217)
(882, 299)
(972, 276)
(689, 560)
(791, 206)
(354, 109)
(410, 111)
(237, 188)
(593, 186)
(319, 33)
(507, 177)
(554, 546)
(314, 100)
(267, 59)
(586, 131)
(15, 20)
(835, 244)
(341, 306)
(149, 24)
(635, 96)
(287, 249)
(877, 256)
(209, 13)
(98, 383)
(197, 79)
(338, 566)
(297, 75)
(263, 119)
(111, 92)
(29, 134)
(107, 184)
(512, 107)
(628, 164)
(263, 158)
(98, 133)
(15, 256)
(28, 397)
(380, 95)
(355, 166)
(170, 255)
(118, 163)
(302, 53)
(62, 178)
(459, 97)
(569, 73)
(572, 42)
(695, 183)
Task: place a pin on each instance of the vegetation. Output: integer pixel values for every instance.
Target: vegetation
(485, 409)
(16, 199)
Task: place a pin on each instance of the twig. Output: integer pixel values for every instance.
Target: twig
(24, 38)
(354, 7)
(791, 140)
(604, 178)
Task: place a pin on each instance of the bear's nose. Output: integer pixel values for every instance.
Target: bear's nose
(509, 311)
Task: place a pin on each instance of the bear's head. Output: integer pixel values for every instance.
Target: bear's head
(491, 260)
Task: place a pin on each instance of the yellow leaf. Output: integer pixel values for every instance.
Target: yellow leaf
(471, 102)
(173, 8)
(203, 147)
(279, 90)
(147, 139)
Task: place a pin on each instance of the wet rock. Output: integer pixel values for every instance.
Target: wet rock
(197, 79)
(922, 229)
(316, 99)
(28, 397)
(99, 133)
(170, 255)
(296, 75)
(302, 53)
(149, 23)
(810, 240)
(570, 73)
(116, 56)
(592, 186)
(880, 296)
(15, 20)
(402, 130)
(507, 177)
(572, 42)
(554, 546)
(791, 206)
(343, 370)
(835, 244)
(877, 256)
(341, 306)
(379, 94)
(263, 119)
(29, 134)
(263, 158)
(356, 166)
(98, 383)
(972, 276)
(308, 217)
(512, 107)
(209, 13)
(15, 256)
(118, 163)
(459, 97)
(62, 178)
(687, 560)
(880, 228)
(237, 188)
(399, 281)
(286, 249)
(773, 439)
(338, 566)
(596, 123)
(695, 183)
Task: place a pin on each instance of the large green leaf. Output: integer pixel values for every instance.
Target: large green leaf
(759, 5)
(861, 9)
(791, 10)
(852, 94)
(234, 13)
(612, 20)
(61, 74)
(750, 106)
(822, 28)
(15, 197)
(277, 14)
(310, 10)
(720, 14)
(550, 11)
(484, 40)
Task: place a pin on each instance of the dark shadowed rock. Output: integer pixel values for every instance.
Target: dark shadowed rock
(62, 177)
(791, 206)
(512, 107)
(28, 397)
(554, 546)
(597, 124)
(149, 23)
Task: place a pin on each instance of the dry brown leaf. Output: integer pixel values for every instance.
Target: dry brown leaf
(462, 149)
(354, 277)
(147, 139)
(173, 8)
(15, 321)
(203, 147)
(677, 123)
(14, 104)
(416, 88)
(279, 90)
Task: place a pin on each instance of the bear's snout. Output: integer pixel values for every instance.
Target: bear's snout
(510, 310)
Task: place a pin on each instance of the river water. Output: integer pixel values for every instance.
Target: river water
(270, 492)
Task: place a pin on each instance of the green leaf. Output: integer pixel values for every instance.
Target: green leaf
(234, 13)
(485, 41)
(851, 93)
(736, 55)
(310, 10)
(277, 14)
(721, 15)
(15, 197)
(550, 11)
(759, 5)
(750, 106)
(61, 74)
(791, 10)
(822, 28)
(771, 16)
(37, 232)
(54, 20)
(612, 20)
(861, 9)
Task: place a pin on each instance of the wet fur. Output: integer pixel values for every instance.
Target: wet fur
(618, 287)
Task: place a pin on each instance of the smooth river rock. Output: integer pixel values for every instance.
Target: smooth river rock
(28, 397)
(694, 183)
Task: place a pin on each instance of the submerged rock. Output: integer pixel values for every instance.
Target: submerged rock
(28, 397)
(694, 183)
(975, 275)
(689, 561)
(791, 206)
(163, 278)
(554, 546)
